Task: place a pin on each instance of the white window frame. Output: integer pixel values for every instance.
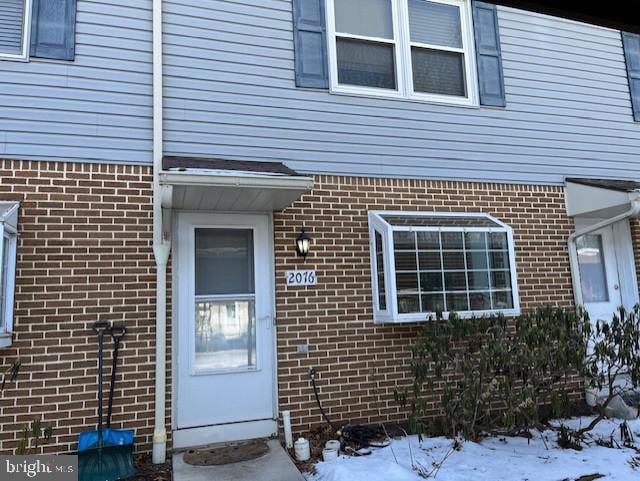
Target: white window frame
(8, 242)
(26, 36)
(391, 314)
(402, 56)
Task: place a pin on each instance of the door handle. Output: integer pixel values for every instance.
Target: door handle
(616, 287)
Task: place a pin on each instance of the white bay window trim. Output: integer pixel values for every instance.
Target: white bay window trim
(26, 36)
(402, 57)
(8, 242)
(389, 313)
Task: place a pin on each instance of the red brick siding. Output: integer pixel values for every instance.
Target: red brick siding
(84, 253)
(359, 363)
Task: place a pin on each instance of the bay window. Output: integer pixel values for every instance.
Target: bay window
(419, 49)
(8, 241)
(423, 263)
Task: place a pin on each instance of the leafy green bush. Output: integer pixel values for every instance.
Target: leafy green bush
(492, 373)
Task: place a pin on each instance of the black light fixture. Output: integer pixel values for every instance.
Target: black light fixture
(303, 243)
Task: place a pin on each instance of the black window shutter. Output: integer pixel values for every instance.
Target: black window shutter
(310, 43)
(631, 44)
(53, 29)
(488, 54)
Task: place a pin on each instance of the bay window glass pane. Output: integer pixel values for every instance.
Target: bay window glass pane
(478, 280)
(382, 300)
(477, 259)
(431, 281)
(475, 240)
(457, 302)
(455, 281)
(452, 240)
(365, 63)
(453, 260)
(438, 72)
(224, 261)
(498, 240)
(4, 257)
(406, 261)
(502, 300)
(428, 240)
(407, 281)
(593, 274)
(433, 302)
(435, 23)
(369, 18)
(430, 261)
(403, 240)
(500, 279)
(480, 301)
(499, 260)
(408, 303)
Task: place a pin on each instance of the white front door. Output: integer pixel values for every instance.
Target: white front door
(599, 275)
(225, 386)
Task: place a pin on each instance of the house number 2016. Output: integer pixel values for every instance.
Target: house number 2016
(301, 278)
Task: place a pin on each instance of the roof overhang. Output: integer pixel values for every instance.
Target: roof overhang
(599, 199)
(227, 190)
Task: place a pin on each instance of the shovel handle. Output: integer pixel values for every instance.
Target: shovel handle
(100, 327)
(118, 332)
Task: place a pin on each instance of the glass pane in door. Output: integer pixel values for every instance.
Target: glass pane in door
(225, 321)
(593, 274)
(225, 335)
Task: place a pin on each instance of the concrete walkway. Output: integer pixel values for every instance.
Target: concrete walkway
(276, 465)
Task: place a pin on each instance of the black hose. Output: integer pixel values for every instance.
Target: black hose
(359, 434)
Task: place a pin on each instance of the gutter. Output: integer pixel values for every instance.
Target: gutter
(161, 246)
(633, 211)
(214, 179)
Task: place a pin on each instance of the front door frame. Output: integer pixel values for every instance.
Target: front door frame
(622, 245)
(236, 431)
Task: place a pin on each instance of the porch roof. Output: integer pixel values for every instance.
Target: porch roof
(599, 198)
(230, 185)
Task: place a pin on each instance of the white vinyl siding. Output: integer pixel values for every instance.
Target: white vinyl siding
(14, 29)
(428, 263)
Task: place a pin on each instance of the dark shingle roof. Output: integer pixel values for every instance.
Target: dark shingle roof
(611, 184)
(184, 163)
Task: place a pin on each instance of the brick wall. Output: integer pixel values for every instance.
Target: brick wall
(84, 253)
(359, 363)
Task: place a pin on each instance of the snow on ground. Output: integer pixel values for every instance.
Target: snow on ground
(493, 459)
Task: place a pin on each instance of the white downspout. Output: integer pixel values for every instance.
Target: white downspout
(634, 211)
(161, 246)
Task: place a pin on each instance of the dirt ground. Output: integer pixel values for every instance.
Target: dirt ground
(147, 471)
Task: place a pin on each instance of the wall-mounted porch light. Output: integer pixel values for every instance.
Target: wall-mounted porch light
(303, 243)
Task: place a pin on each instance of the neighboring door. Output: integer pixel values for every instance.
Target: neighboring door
(224, 327)
(599, 276)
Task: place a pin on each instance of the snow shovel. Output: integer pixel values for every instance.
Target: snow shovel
(119, 437)
(98, 459)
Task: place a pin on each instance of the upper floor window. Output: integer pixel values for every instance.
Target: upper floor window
(8, 241)
(14, 29)
(423, 263)
(420, 49)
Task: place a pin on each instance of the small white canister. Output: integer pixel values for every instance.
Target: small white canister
(333, 444)
(301, 447)
(329, 453)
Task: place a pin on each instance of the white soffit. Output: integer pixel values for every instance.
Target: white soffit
(216, 190)
(585, 200)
